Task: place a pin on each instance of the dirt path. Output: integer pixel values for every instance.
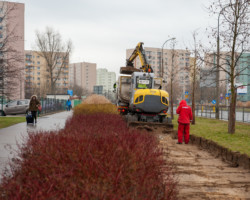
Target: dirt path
(202, 176)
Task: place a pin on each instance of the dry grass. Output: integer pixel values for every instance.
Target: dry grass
(96, 99)
(95, 104)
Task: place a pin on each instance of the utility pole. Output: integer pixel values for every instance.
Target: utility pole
(217, 114)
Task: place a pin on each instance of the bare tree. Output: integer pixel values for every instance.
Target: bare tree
(177, 90)
(172, 72)
(11, 58)
(235, 34)
(55, 52)
(194, 69)
(78, 90)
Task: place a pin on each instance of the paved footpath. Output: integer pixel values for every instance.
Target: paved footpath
(11, 135)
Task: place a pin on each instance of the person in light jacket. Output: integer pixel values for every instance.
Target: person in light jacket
(33, 106)
(185, 117)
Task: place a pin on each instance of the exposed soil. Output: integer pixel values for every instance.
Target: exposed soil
(201, 173)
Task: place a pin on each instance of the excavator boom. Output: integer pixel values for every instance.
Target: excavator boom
(139, 51)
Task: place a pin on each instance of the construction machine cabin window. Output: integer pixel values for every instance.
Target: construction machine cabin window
(164, 100)
(143, 82)
(139, 99)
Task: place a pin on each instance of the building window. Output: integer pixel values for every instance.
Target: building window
(38, 78)
(38, 73)
(1, 19)
(1, 35)
(38, 62)
(38, 68)
(1, 27)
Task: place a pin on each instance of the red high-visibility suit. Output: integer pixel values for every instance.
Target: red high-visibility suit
(185, 116)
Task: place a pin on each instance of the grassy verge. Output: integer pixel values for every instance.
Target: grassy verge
(9, 121)
(216, 130)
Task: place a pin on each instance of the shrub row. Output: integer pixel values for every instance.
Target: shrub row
(95, 108)
(93, 157)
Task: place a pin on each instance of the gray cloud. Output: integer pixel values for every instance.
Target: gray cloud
(102, 30)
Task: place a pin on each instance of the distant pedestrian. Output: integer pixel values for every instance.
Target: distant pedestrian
(68, 104)
(185, 117)
(33, 106)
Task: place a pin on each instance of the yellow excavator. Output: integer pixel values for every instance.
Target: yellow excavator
(139, 93)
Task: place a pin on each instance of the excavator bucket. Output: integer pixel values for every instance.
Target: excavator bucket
(128, 70)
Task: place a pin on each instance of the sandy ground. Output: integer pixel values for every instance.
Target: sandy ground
(202, 176)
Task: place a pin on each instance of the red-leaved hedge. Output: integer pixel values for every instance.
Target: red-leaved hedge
(93, 157)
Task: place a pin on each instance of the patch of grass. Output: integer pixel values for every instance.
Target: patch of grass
(216, 130)
(9, 121)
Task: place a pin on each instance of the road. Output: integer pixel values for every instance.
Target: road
(11, 135)
(240, 116)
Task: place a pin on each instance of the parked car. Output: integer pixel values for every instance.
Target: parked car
(16, 107)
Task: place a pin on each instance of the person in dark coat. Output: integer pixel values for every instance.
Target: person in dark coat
(33, 106)
(185, 117)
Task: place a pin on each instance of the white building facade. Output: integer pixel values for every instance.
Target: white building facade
(106, 79)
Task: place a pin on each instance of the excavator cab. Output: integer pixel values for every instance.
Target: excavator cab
(144, 82)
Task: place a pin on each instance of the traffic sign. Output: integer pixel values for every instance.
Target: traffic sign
(213, 102)
(186, 92)
(186, 96)
(70, 92)
(227, 94)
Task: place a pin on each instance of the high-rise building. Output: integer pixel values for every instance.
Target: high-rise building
(37, 75)
(242, 70)
(83, 74)
(244, 78)
(106, 79)
(12, 50)
(176, 61)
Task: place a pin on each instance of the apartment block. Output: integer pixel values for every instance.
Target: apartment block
(174, 62)
(37, 75)
(242, 68)
(106, 79)
(83, 74)
(12, 76)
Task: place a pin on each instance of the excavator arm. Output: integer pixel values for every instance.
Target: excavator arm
(139, 51)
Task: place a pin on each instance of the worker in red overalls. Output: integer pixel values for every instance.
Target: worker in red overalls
(185, 116)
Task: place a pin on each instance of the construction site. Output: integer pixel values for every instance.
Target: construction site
(129, 150)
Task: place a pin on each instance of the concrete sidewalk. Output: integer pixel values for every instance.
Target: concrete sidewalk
(10, 136)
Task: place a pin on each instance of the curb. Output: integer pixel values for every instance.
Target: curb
(234, 158)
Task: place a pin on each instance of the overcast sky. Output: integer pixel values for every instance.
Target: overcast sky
(102, 30)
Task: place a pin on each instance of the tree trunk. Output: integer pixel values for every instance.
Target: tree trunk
(231, 123)
(171, 100)
(193, 101)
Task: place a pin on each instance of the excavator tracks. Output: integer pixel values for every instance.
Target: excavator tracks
(133, 122)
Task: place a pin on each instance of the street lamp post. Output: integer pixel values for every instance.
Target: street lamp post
(162, 68)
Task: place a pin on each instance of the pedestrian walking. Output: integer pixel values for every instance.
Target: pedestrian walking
(33, 106)
(185, 117)
(68, 104)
